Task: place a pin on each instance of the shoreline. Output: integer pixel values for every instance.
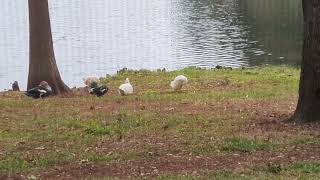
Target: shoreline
(218, 67)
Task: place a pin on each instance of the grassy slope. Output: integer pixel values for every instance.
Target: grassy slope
(214, 116)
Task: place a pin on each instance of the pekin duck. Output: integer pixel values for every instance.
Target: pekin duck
(126, 88)
(178, 82)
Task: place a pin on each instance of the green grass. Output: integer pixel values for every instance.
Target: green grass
(296, 170)
(221, 175)
(307, 166)
(205, 119)
(14, 163)
(245, 145)
(176, 177)
(245, 83)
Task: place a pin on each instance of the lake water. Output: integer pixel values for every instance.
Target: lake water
(102, 36)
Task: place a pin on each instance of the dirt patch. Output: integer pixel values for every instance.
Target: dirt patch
(271, 117)
(152, 144)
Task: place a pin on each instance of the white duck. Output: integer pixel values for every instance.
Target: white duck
(126, 88)
(178, 82)
(90, 79)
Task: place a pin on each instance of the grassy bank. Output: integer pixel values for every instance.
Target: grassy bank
(225, 124)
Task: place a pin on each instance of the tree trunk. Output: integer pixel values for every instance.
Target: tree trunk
(42, 63)
(308, 108)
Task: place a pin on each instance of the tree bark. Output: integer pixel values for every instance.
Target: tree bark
(42, 63)
(308, 108)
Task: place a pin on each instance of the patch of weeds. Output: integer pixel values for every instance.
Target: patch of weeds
(203, 147)
(95, 157)
(118, 124)
(220, 175)
(301, 169)
(51, 159)
(245, 145)
(201, 134)
(98, 130)
(307, 166)
(12, 164)
(151, 94)
(176, 177)
(91, 127)
(15, 164)
(108, 157)
(304, 140)
(104, 178)
(274, 168)
(73, 123)
(127, 120)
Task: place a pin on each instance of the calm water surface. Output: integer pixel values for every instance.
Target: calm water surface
(102, 36)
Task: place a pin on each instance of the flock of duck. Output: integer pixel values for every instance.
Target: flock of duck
(95, 88)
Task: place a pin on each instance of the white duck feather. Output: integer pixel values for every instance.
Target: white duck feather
(126, 88)
(178, 82)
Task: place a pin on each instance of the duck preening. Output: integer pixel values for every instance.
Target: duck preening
(98, 90)
(126, 88)
(89, 80)
(40, 91)
(178, 82)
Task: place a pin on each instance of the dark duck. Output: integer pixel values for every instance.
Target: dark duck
(15, 86)
(98, 90)
(40, 91)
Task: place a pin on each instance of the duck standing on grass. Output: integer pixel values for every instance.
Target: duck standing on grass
(126, 88)
(178, 82)
(98, 90)
(40, 91)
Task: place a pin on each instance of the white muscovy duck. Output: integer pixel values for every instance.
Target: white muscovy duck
(178, 82)
(126, 88)
(98, 90)
(40, 91)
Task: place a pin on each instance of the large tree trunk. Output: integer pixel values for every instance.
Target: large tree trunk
(308, 108)
(42, 63)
